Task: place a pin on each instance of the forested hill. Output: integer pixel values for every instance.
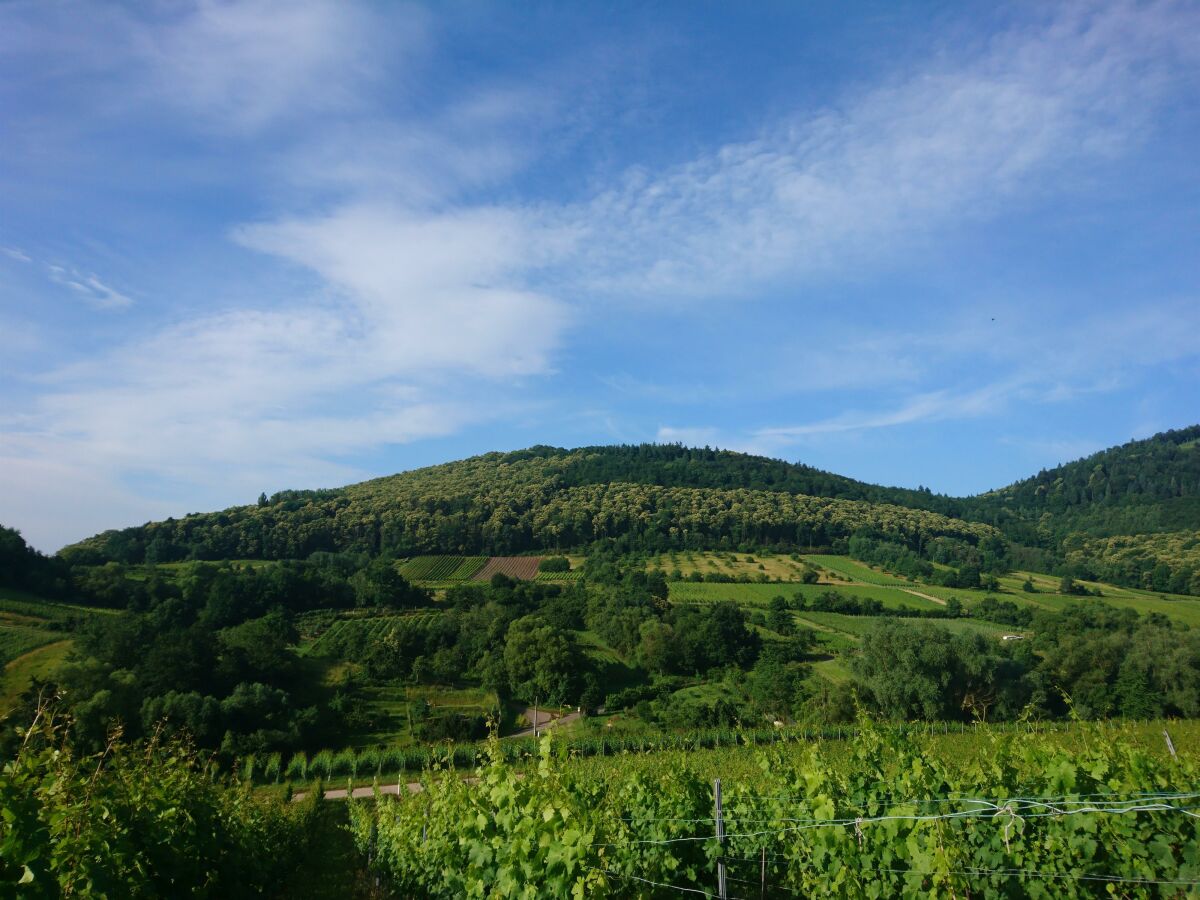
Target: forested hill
(1143, 486)
(657, 496)
(547, 498)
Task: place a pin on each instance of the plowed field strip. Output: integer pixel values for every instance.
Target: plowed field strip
(523, 567)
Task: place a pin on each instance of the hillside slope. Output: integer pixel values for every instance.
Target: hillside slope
(543, 499)
(1092, 515)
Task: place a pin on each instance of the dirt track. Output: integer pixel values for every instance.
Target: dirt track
(938, 600)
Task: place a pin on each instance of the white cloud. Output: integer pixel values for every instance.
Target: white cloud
(16, 253)
(421, 310)
(435, 291)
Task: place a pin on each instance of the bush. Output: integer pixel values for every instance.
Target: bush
(148, 820)
(555, 564)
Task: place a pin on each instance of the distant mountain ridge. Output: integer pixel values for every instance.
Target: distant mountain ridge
(658, 496)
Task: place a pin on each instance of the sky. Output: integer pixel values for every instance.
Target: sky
(254, 246)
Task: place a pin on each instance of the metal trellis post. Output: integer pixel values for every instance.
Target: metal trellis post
(721, 892)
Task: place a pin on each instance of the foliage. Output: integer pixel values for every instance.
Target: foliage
(512, 503)
(878, 817)
(138, 821)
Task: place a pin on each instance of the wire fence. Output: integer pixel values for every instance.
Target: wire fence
(1006, 812)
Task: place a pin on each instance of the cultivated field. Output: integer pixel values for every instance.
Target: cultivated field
(522, 567)
(446, 571)
(442, 568)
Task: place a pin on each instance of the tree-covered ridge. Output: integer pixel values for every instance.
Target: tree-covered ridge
(667, 496)
(1163, 469)
(433, 513)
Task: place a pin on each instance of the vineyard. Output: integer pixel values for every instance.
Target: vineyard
(1020, 815)
(446, 571)
(711, 749)
(357, 632)
(559, 577)
(16, 640)
(442, 568)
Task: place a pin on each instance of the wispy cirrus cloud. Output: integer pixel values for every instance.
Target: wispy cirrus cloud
(250, 64)
(89, 286)
(979, 130)
(410, 276)
(16, 253)
(933, 406)
(1019, 361)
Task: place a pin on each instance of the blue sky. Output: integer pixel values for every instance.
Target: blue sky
(263, 245)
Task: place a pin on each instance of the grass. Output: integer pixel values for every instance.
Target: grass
(857, 626)
(19, 673)
(854, 570)
(1184, 611)
(391, 707)
(833, 670)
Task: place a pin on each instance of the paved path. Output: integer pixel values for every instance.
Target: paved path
(367, 790)
(413, 787)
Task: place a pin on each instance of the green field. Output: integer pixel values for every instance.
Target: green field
(762, 594)
(397, 711)
(854, 570)
(18, 673)
(1178, 607)
(860, 625)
